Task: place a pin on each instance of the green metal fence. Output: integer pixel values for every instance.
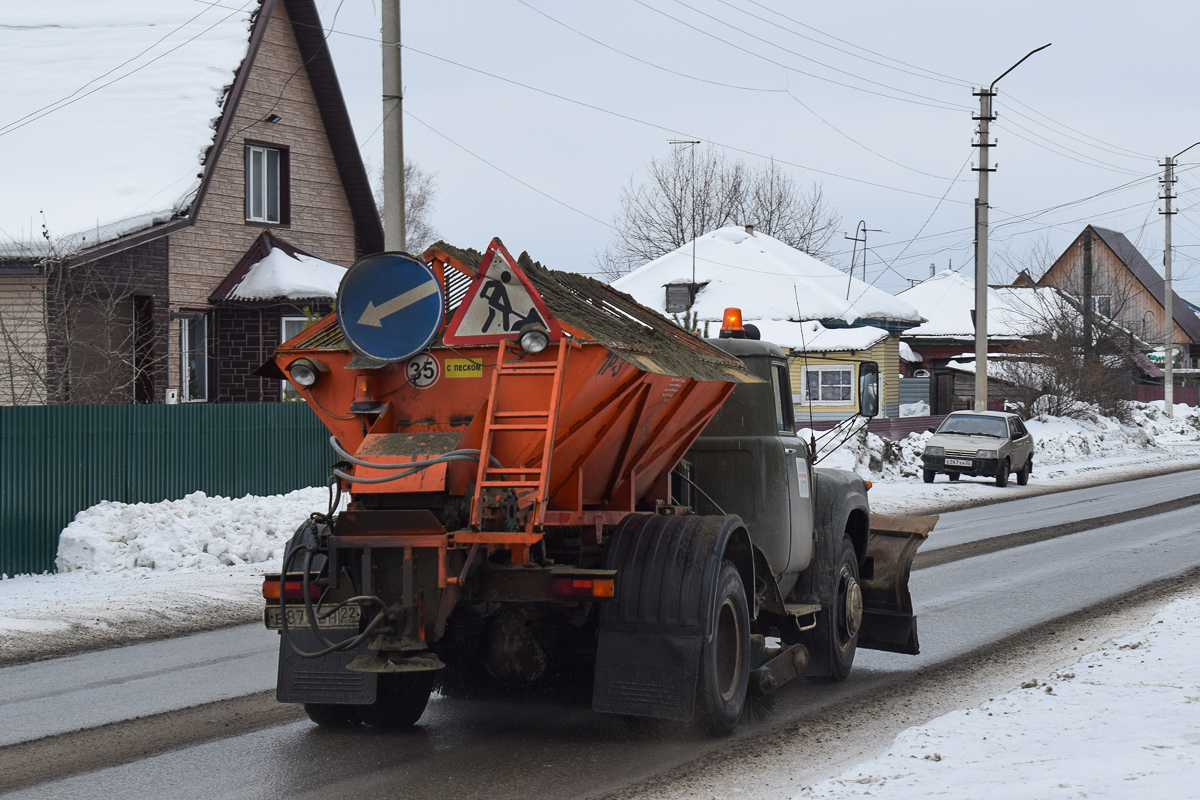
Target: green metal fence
(56, 461)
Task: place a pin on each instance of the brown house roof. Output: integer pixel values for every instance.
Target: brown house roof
(1137, 264)
(306, 26)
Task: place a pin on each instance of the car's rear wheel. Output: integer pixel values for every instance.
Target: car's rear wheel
(927, 475)
(1002, 475)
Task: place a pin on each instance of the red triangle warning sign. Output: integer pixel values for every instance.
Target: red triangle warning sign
(499, 303)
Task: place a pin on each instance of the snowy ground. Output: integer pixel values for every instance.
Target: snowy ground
(1067, 454)
(148, 571)
(152, 570)
(1122, 722)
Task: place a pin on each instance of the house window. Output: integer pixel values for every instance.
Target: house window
(1102, 305)
(194, 372)
(832, 385)
(266, 184)
(289, 327)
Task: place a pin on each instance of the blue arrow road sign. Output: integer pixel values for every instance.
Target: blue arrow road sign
(390, 306)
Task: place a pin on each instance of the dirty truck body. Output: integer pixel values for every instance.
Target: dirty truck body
(578, 487)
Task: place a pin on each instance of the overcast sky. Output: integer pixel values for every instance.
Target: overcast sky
(534, 114)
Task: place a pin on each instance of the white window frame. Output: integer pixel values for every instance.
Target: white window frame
(288, 392)
(258, 177)
(186, 350)
(804, 373)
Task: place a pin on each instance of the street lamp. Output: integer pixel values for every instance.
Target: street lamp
(981, 235)
(1168, 295)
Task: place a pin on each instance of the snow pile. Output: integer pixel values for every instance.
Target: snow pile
(196, 532)
(1056, 441)
(1051, 738)
(917, 409)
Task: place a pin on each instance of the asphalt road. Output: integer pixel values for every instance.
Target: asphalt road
(466, 749)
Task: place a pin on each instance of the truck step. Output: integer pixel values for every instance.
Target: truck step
(801, 609)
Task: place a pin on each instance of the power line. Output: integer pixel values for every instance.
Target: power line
(673, 131)
(792, 19)
(72, 99)
(936, 103)
(508, 174)
(839, 131)
(1074, 130)
(641, 60)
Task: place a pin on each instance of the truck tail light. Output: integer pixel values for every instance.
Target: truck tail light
(583, 587)
(292, 590)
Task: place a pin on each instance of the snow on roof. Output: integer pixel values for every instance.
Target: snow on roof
(765, 278)
(910, 355)
(297, 277)
(947, 299)
(813, 337)
(108, 110)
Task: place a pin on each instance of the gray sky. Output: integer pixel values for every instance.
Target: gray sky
(886, 135)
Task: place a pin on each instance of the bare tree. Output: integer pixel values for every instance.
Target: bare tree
(684, 198)
(1066, 367)
(74, 331)
(420, 193)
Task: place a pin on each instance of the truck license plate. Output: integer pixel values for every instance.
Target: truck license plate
(950, 462)
(346, 618)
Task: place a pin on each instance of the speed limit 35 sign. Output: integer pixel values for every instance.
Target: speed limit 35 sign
(423, 371)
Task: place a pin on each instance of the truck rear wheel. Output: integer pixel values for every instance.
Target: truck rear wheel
(725, 660)
(328, 715)
(400, 700)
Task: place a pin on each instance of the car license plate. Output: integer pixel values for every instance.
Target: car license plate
(345, 618)
(953, 462)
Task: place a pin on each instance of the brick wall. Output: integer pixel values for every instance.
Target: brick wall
(108, 327)
(321, 222)
(243, 339)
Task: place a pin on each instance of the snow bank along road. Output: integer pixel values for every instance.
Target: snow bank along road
(988, 621)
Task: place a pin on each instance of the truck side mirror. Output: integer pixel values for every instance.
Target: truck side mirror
(868, 389)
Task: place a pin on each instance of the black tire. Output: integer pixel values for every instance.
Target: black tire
(845, 616)
(1002, 475)
(725, 660)
(953, 476)
(927, 475)
(400, 700)
(328, 715)
(1023, 474)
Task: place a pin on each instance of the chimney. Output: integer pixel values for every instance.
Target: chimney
(750, 229)
(932, 270)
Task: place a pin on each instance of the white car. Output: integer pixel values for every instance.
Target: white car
(980, 443)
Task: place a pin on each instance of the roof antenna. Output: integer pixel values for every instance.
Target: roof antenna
(812, 436)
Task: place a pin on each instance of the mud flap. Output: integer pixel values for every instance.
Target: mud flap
(324, 679)
(647, 674)
(652, 632)
(888, 619)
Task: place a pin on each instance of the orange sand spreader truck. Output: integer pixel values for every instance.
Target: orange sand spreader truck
(548, 481)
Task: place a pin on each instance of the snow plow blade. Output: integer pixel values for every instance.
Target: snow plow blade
(888, 620)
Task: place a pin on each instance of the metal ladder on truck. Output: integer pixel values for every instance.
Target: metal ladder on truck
(509, 374)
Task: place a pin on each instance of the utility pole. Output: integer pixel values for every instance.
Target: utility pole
(862, 225)
(981, 234)
(1168, 181)
(393, 131)
(691, 144)
(1087, 292)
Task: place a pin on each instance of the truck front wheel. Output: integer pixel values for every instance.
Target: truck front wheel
(725, 659)
(838, 624)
